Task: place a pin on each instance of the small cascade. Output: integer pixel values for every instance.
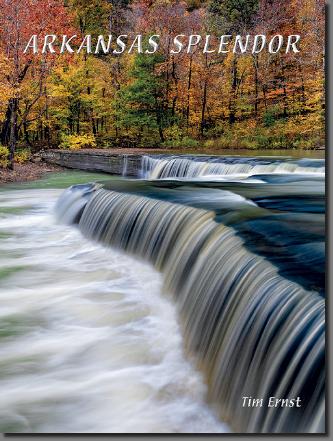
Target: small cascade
(190, 167)
(254, 333)
(70, 205)
(125, 165)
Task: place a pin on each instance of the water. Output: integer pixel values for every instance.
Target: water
(87, 341)
(254, 332)
(156, 304)
(207, 167)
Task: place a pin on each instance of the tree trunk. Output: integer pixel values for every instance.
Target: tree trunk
(26, 134)
(303, 97)
(47, 127)
(175, 80)
(6, 126)
(203, 109)
(264, 88)
(188, 95)
(256, 84)
(285, 98)
(204, 100)
(232, 100)
(159, 121)
(12, 131)
(160, 131)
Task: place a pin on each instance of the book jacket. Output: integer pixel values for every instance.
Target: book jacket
(162, 216)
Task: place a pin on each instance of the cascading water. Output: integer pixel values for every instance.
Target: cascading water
(240, 257)
(165, 167)
(87, 342)
(255, 333)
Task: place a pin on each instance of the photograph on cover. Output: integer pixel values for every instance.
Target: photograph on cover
(162, 216)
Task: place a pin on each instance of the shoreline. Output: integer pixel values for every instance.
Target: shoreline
(319, 153)
(26, 172)
(34, 170)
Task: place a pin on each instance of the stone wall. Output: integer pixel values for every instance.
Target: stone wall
(115, 164)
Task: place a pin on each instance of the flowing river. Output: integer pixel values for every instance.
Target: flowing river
(169, 299)
(88, 342)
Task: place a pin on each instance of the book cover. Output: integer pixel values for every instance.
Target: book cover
(162, 216)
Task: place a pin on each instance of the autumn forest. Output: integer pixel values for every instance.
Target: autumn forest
(184, 100)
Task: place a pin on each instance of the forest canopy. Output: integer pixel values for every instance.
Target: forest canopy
(160, 98)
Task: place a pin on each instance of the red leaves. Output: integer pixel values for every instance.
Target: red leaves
(20, 19)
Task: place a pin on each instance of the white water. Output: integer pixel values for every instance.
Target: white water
(254, 331)
(93, 346)
(211, 169)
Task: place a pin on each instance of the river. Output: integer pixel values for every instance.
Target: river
(116, 338)
(88, 342)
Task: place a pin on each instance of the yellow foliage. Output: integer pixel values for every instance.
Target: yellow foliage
(6, 90)
(77, 142)
(22, 156)
(4, 154)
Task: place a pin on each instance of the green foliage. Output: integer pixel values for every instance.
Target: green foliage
(287, 133)
(140, 104)
(4, 155)
(174, 133)
(91, 15)
(270, 116)
(175, 137)
(77, 142)
(236, 14)
(185, 142)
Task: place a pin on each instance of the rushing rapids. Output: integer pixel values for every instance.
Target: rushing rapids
(202, 167)
(254, 333)
(83, 328)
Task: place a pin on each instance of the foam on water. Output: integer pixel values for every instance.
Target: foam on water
(254, 332)
(222, 168)
(87, 341)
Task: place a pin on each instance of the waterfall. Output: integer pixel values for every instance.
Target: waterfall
(125, 165)
(69, 209)
(254, 333)
(190, 167)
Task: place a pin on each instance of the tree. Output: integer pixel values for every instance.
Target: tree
(234, 17)
(143, 100)
(80, 97)
(174, 99)
(19, 20)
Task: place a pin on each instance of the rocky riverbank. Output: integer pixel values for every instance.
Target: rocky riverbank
(28, 171)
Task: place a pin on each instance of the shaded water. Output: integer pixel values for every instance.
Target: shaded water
(237, 245)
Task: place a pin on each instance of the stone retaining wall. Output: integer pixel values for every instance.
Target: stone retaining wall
(115, 164)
